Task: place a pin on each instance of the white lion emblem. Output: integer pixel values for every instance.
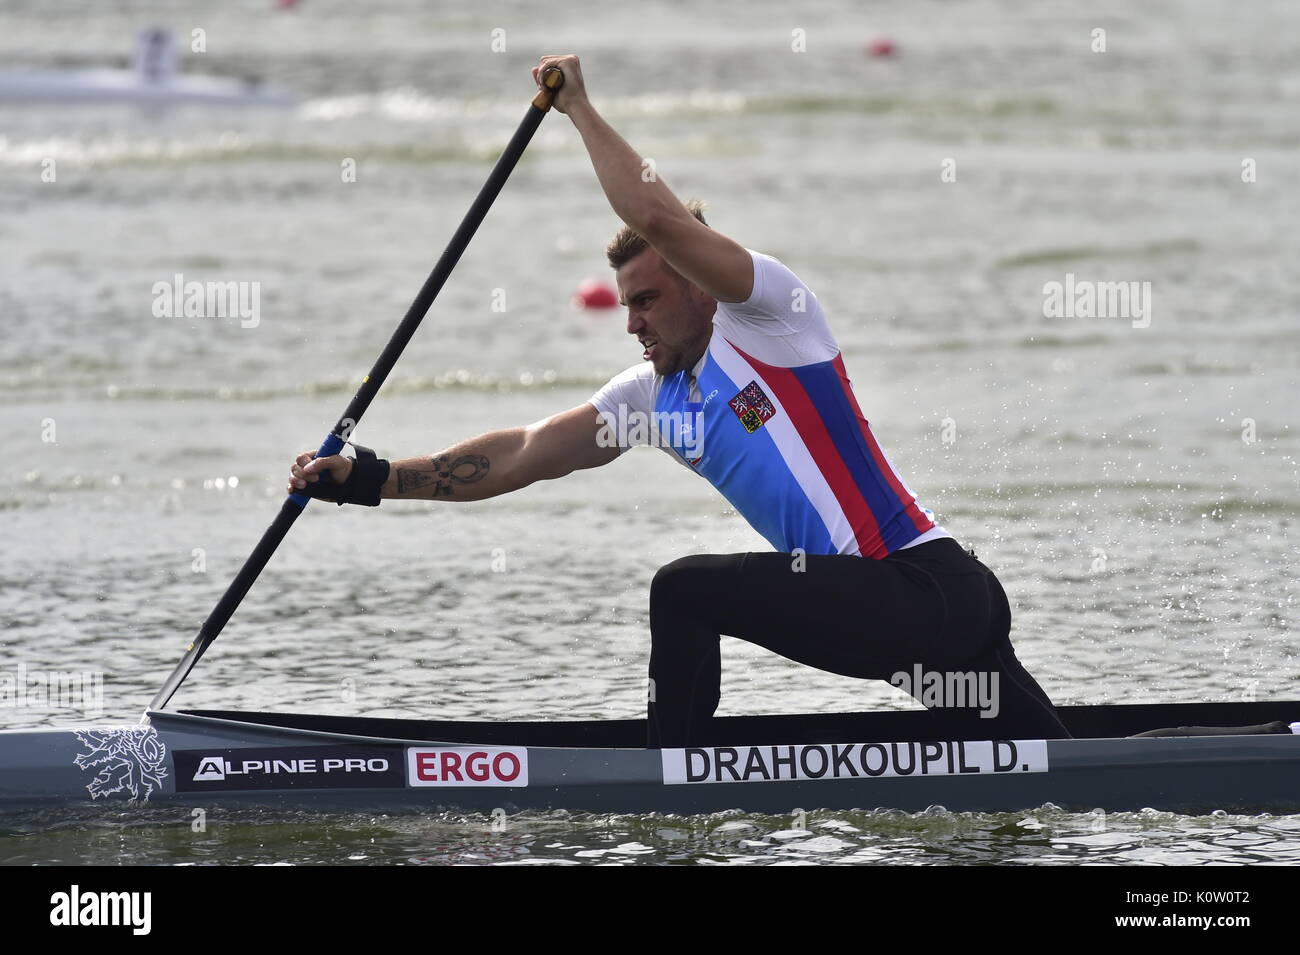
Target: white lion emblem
(129, 760)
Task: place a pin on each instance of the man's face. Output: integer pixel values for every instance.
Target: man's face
(670, 317)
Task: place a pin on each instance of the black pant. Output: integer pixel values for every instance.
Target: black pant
(934, 606)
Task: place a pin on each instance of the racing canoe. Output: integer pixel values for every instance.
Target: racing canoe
(768, 764)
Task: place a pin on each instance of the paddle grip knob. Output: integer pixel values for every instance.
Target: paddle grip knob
(552, 82)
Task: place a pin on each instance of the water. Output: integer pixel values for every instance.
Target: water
(1048, 836)
(1135, 488)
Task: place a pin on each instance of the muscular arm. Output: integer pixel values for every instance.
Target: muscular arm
(718, 265)
(502, 461)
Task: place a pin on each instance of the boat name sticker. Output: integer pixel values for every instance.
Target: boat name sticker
(748, 764)
(299, 767)
(129, 761)
(467, 765)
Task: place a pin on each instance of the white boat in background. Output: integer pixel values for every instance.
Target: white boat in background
(153, 80)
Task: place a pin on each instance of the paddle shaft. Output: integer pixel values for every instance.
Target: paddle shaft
(552, 80)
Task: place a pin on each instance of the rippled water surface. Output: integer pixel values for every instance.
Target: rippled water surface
(1048, 836)
(1135, 488)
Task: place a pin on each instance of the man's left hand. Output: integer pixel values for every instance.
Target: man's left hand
(574, 90)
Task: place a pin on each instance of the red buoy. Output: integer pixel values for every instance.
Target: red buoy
(881, 46)
(593, 293)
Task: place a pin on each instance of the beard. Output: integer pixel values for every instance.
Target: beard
(682, 353)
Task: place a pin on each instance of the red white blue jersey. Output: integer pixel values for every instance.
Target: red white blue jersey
(769, 418)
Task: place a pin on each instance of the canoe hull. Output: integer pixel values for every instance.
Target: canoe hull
(199, 760)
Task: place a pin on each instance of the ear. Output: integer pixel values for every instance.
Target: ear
(701, 297)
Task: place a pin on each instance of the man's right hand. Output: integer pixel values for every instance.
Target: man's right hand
(307, 468)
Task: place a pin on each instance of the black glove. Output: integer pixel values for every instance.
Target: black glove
(363, 485)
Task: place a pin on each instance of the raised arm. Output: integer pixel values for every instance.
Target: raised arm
(707, 258)
(485, 466)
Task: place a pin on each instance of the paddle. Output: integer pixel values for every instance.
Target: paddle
(552, 81)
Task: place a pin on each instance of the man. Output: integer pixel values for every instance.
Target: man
(742, 382)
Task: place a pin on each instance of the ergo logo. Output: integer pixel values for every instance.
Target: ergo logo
(467, 766)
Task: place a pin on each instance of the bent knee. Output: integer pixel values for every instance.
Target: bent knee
(675, 578)
(690, 577)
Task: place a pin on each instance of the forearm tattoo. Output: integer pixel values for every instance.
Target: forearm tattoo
(444, 473)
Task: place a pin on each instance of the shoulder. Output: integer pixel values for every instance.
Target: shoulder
(781, 306)
(633, 388)
(772, 276)
(779, 296)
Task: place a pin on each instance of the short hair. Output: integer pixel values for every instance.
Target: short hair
(628, 244)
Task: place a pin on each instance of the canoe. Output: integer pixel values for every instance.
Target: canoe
(153, 80)
(762, 764)
(96, 86)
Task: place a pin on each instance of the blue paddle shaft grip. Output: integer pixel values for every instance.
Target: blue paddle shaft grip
(332, 445)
